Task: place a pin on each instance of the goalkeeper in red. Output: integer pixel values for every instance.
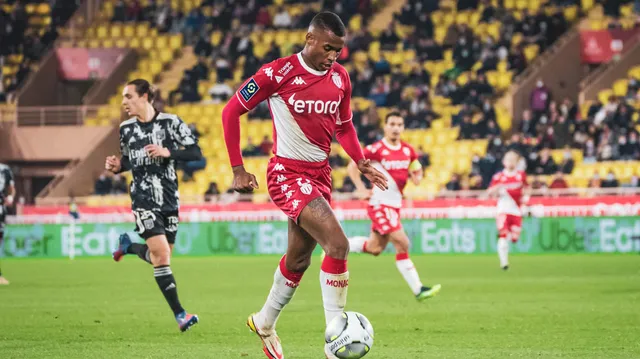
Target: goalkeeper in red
(399, 162)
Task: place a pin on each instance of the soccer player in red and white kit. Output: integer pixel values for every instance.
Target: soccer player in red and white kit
(398, 161)
(510, 185)
(309, 96)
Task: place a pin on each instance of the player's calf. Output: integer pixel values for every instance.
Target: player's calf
(286, 279)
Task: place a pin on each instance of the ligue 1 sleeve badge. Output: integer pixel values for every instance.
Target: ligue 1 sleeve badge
(336, 79)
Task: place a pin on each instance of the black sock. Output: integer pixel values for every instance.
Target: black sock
(167, 285)
(142, 250)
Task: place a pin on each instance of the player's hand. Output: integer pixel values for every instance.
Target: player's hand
(8, 201)
(362, 194)
(373, 175)
(154, 151)
(243, 181)
(112, 164)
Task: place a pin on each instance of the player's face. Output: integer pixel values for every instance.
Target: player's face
(393, 128)
(324, 48)
(133, 104)
(510, 161)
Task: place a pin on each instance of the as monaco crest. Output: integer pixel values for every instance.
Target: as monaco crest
(336, 79)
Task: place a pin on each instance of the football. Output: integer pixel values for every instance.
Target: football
(349, 335)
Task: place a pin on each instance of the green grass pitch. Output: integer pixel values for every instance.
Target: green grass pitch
(545, 306)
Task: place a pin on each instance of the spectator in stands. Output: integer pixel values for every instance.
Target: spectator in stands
(558, 181)
(567, 164)
(594, 181)
(282, 19)
(545, 165)
(538, 183)
(3, 95)
(610, 181)
(388, 39)
(589, 151)
(251, 149)
(220, 92)
(540, 98)
(423, 157)
(212, 192)
(119, 185)
(266, 146)
(103, 184)
(454, 183)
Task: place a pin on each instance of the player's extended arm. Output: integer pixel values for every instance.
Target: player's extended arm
(242, 180)
(348, 139)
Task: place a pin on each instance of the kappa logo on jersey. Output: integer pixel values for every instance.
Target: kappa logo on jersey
(284, 187)
(295, 203)
(278, 167)
(385, 152)
(289, 194)
(269, 72)
(337, 80)
(406, 151)
(281, 179)
(285, 69)
(249, 89)
(298, 81)
(310, 106)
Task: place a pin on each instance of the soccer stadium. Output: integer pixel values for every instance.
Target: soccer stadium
(489, 150)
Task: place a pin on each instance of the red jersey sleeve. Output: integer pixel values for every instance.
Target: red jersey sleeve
(372, 152)
(258, 87)
(495, 179)
(345, 105)
(524, 179)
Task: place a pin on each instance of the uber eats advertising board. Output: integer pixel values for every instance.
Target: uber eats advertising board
(463, 236)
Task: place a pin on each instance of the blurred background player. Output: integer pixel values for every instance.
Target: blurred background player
(7, 195)
(398, 161)
(509, 184)
(309, 95)
(151, 142)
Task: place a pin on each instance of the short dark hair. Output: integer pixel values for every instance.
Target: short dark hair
(393, 114)
(143, 87)
(326, 20)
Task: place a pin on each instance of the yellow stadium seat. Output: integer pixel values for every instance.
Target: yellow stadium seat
(509, 4)
(604, 95)
(620, 87)
(504, 80)
(587, 4)
(216, 37)
(531, 51)
(102, 32)
(121, 43)
(571, 13)
(462, 18)
(135, 43)
(94, 43)
(107, 43)
(129, 30)
(175, 42)
(147, 43)
(116, 31)
(439, 34)
(355, 24)
(503, 67)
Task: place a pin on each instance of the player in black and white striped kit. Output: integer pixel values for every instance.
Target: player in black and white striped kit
(7, 194)
(151, 142)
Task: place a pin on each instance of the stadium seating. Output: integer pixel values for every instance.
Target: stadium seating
(206, 116)
(39, 18)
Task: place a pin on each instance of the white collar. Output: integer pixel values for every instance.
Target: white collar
(309, 69)
(390, 146)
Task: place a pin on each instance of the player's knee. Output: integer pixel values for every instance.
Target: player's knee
(374, 250)
(297, 265)
(402, 246)
(160, 256)
(338, 248)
